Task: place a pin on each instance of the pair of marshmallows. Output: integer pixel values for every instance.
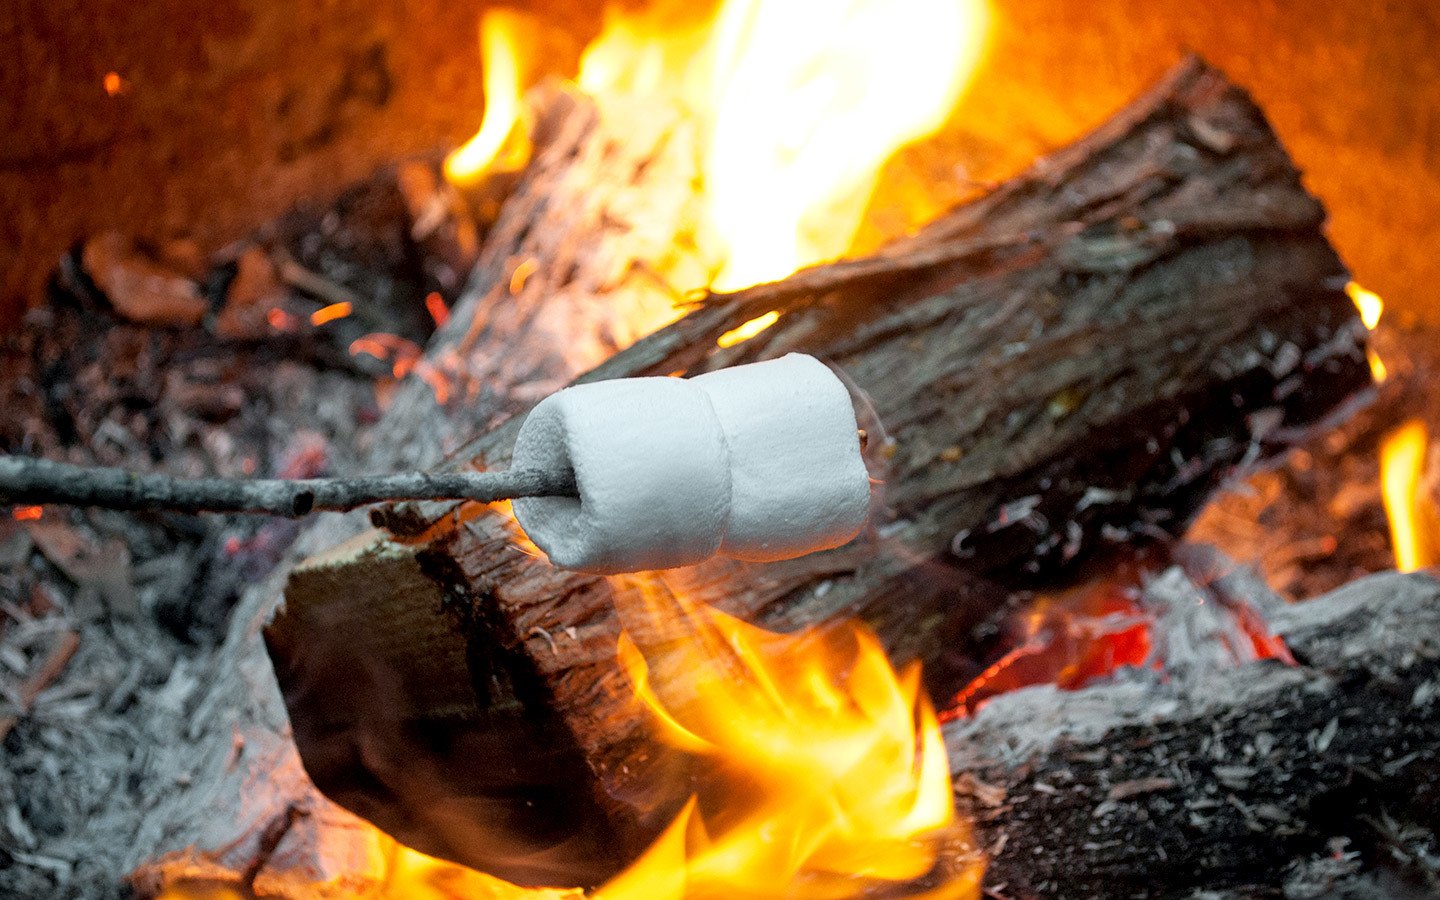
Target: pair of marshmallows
(758, 462)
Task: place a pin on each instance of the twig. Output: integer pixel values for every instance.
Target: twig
(25, 480)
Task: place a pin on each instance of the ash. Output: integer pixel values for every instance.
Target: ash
(111, 624)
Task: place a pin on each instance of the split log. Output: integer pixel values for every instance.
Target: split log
(1076, 358)
(1156, 788)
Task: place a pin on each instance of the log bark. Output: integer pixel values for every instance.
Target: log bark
(1075, 359)
(1239, 780)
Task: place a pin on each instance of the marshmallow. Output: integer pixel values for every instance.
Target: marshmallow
(759, 462)
(651, 468)
(798, 483)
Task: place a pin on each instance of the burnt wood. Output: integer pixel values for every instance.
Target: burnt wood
(1253, 780)
(1075, 359)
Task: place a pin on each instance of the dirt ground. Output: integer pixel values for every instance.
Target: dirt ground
(226, 112)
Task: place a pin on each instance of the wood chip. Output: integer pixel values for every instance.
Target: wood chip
(141, 288)
(988, 795)
(1139, 786)
(50, 668)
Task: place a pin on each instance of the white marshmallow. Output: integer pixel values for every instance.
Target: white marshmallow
(759, 462)
(651, 466)
(798, 482)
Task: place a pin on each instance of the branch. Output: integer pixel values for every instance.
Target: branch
(41, 481)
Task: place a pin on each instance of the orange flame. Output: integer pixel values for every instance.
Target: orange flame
(498, 145)
(1402, 462)
(836, 780)
(27, 513)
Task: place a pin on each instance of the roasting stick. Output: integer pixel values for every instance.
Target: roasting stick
(760, 463)
(26, 480)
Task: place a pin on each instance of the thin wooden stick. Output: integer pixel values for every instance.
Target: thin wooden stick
(39, 481)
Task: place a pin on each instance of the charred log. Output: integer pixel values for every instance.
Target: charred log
(1074, 359)
(1237, 780)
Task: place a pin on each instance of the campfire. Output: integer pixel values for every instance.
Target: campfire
(663, 495)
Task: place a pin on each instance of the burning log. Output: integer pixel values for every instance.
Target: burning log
(1219, 781)
(1076, 358)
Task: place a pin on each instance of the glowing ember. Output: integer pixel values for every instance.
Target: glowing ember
(114, 84)
(330, 313)
(1402, 461)
(1087, 633)
(27, 513)
(279, 319)
(501, 39)
(401, 353)
(1070, 640)
(435, 306)
(835, 781)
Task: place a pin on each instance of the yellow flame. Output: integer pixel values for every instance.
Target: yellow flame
(502, 34)
(835, 779)
(748, 330)
(1370, 307)
(412, 875)
(1368, 303)
(1402, 461)
(1378, 372)
(802, 101)
(809, 98)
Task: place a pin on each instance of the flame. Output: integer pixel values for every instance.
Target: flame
(502, 35)
(1370, 307)
(835, 778)
(27, 513)
(1368, 303)
(1402, 461)
(800, 102)
(411, 875)
(748, 330)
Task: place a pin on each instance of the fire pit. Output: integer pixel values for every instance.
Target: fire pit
(1124, 618)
